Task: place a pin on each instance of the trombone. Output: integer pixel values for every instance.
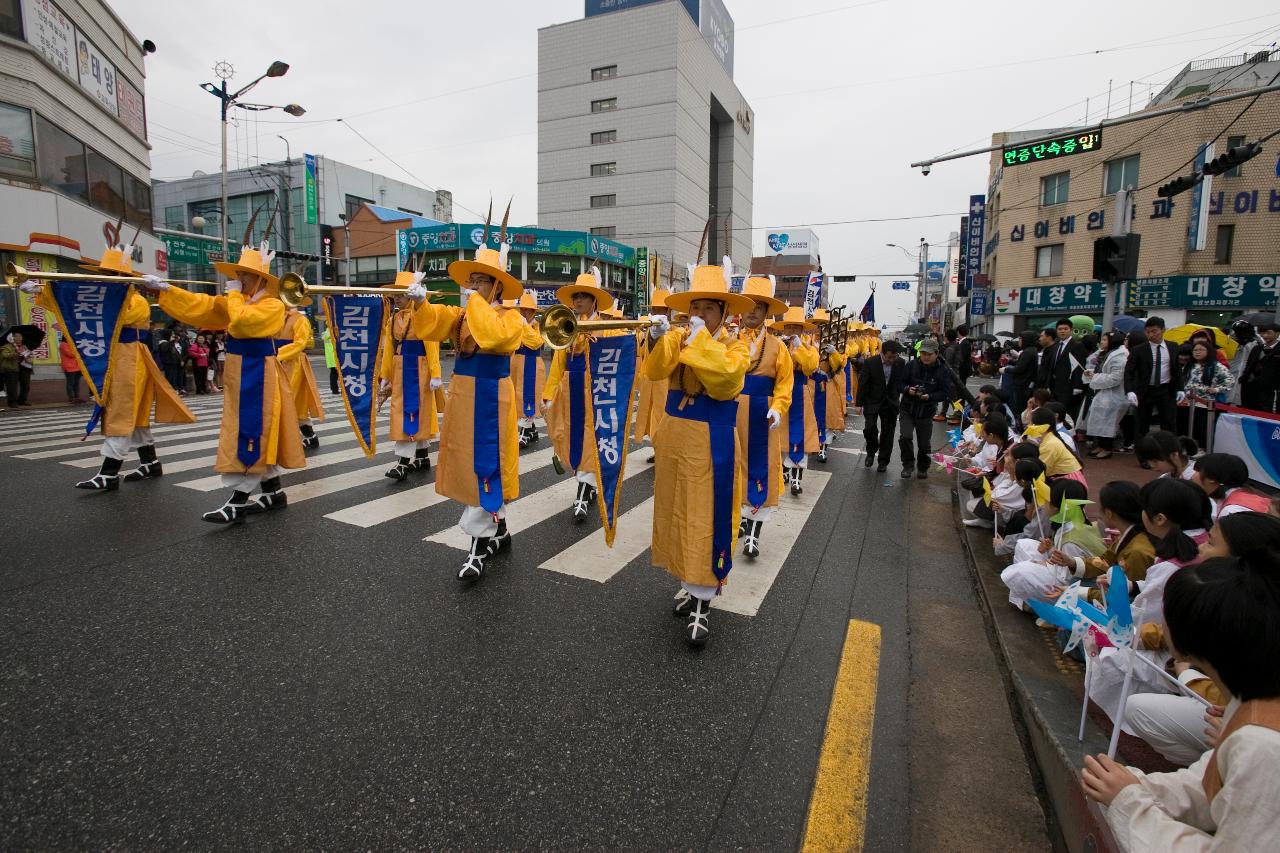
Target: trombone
(15, 275)
(560, 326)
(294, 290)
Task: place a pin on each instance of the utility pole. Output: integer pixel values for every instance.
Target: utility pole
(1121, 221)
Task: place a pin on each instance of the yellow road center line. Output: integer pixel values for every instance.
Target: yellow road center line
(838, 805)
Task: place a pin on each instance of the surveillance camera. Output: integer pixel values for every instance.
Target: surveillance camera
(926, 169)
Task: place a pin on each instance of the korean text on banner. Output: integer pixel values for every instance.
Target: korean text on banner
(359, 322)
(974, 237)
(812, 293)
(90, 311)
(312, 195)
(1254, 439)
(612, 368)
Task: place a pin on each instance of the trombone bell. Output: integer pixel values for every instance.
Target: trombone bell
(560, 327)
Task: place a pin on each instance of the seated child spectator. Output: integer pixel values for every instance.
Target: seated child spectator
(1041, 567)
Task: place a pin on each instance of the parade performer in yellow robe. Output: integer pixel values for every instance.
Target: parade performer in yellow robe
(410, 375)
(653, 393)
(134, 383)
(478, 464)
(852, 361)
(801, 426)
(528, 370)
(831, 364)
(698, 482)
(567, 389)
(765, 401)
(259, 435)
(291, 352)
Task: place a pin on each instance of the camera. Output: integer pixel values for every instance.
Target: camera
(926, 169)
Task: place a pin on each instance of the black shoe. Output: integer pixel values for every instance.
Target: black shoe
(231, 512)
(653, 457)
(582, 503)
(793, 477)
(272, 497)
(868, 462)
(882, 467)
(524, 439)
(309, 437)
(744, 527)
(822, 454)
(500, 540)
(751, 542)
(473, 568)
(106, 480)
(699, 628)
(922, 475)
(148, 467)
(684, 603)
(401, 469)
(906, 473)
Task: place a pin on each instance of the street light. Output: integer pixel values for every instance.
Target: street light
(231, 99)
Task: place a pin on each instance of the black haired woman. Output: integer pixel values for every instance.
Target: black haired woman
(1224, 476)
(1224, 617)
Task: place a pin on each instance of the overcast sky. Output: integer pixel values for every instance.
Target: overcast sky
(845, 96)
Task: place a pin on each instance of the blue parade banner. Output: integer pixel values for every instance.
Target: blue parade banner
(91, 312)
(612, 369)
(812, 293)
(358, 323)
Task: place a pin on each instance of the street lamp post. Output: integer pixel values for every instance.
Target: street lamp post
(231, 99)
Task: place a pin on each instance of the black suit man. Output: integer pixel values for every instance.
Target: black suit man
(1062, 369)
(880, 386)
(1152, 379)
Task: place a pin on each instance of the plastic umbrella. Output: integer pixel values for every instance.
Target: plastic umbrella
(1128, 324)
(1257, 318)
(1182, 334)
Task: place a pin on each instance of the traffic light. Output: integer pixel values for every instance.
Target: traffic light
(1116, 258)
(1232, 157)
(1180, 185)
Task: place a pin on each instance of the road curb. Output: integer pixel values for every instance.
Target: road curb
(1045, 702)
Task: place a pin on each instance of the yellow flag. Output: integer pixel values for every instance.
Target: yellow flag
(957, 406)
(986, 491)
(1041, 489)
(977, 430)
(1035, 430)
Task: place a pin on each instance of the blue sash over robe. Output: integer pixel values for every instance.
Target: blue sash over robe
(411, 400)
(576, 371)
(848, 380)
(529, 381)
(253, 354)
(128, 335)
(820, 404)
(486, 370)
(758, 390)
(721, 418)
(795, 419)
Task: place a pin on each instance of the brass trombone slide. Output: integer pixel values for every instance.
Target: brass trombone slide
(560, 326)
(294, 290)
(15, 275)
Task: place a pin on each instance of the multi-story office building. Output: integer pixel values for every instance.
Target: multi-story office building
(642, 134)
(1207, 255)
(73, 146)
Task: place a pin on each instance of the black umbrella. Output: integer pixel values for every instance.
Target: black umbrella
(991, 339)
(32, 336)
(1007, 334)
(1257, 318)
(917, 329)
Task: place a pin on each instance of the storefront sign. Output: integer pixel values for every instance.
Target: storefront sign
(29, 313)
(973, 236)
(977, 303)
(313, 197)
(1205, 291)
(50, 32)
(97, 75)
(1051, 299)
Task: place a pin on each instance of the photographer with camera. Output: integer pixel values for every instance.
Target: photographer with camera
(928, 383)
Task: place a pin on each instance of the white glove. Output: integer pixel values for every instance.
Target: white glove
(155, 284)
(775, 419)
(696, 327)
(32, 287)
(464, 293)
(1132, 398)
(661, 325)
(1077, 391)
(828, 350)
(1182, 395)
(436, 383)
(384, 386)
(232, 285)
(793, 340)
(416, 292)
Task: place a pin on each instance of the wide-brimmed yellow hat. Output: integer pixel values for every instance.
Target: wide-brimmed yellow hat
(760, 288)
(490, 262)
(708, 282)
(795, 317)
(526, 300)
(588, 283)
(114, 260)
(659, 298)
(256, 261)
(820, 317)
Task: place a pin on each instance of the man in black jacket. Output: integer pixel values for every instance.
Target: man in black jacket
(1152, 379)
(1260, 379)
(880, 384)
(926, 384)
(1062, 368)
(1023, 372)
(965, 370)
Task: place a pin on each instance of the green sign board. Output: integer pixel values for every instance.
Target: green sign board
(182, 249)
(434, 238)
(1052, 149)
(313, 198)
(1205, 291)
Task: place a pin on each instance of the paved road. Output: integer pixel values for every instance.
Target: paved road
(318, 678)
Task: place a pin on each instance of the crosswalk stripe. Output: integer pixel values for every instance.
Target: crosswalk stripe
(532, 509)
(74, 422)
(401, 503)
(162, 449)
(215, 482)
(590, 558)
(71, 446)
(750, 580)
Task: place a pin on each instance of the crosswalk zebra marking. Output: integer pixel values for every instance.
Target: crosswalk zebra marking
(406, 501)
(592, 559)
(209, 484)
(532, 509)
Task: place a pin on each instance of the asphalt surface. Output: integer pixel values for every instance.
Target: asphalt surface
(296, 682)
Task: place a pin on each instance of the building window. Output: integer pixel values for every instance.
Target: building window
(603, 137)
(354, 203)
(10, 20)
(610, 200)
(604, 105)
(1222, 249)
(106, 185)
(410, 212)
(1122, 173)
(1053, 188)
(1049, 261)
(17, 145)
(175, 217)
(599, 170)
(138, 203)
(1233, 142)
(605, 72)
(605, 231)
